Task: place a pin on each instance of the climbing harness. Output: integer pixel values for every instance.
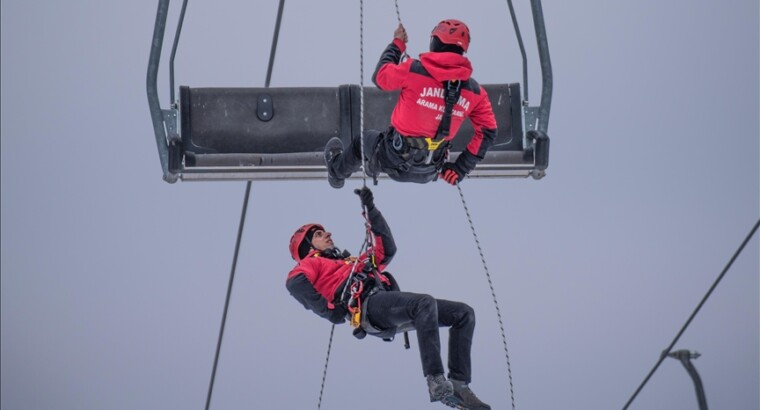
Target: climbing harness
(453, 90)
(427, 153)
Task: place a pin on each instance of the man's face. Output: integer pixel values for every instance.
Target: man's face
(322, 240)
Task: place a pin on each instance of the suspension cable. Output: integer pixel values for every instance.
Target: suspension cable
(242, 218)
(493, 294)
(174, 50)
(229, 292)
(522, 48)
(665, 352)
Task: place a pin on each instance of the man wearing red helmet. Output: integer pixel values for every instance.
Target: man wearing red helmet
(437, 94)
(321, 281)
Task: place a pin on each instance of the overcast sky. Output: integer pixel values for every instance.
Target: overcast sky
(113, 281)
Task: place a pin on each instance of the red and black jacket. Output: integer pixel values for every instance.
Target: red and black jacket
(317, 281)
(420, 105)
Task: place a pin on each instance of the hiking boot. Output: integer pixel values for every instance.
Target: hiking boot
(439, 387)
(333, 148)
(463, 398)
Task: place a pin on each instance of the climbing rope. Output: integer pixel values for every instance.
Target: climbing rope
(361, 82)
(324, 373)
(398, 17)
(493, 294)
(361, 89)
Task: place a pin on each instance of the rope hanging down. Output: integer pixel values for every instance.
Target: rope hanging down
(665, 352)
(361, 90)
(368, 236)
(324, 372)
(398, 17)
(493, 294)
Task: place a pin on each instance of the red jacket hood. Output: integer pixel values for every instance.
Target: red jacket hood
(446, 66)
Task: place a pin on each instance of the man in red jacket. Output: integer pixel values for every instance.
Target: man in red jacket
(323, 283)
(437, 94)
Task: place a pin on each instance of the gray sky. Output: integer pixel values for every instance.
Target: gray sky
(113, 282)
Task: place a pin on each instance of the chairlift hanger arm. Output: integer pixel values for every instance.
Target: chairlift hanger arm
(546, 66)
(156, 113)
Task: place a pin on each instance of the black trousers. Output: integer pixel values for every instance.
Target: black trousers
(399, 163)
(427, 314)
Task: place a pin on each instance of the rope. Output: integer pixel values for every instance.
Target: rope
(361, 89)
(242, 218)
(324, 373)
(493, 294)
(398, 17)
(707, 295)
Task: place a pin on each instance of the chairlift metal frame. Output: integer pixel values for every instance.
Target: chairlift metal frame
(249, 133)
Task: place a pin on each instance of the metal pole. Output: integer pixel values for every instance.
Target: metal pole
(152, 90)
(685, 357)
(546, 66)
(174, 50)
(694, 313)
(522, 48)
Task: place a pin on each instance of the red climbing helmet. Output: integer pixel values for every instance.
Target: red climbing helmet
(298, 237)
(452, 32)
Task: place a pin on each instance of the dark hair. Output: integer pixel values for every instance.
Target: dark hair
(437, 46)
(305, 246)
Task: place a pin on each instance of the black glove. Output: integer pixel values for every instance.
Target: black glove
(451, 173)
(338, 314)
(368, 200)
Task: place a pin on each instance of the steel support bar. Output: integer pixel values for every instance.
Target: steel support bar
(156, 113)
(685, 356)
(546, 66)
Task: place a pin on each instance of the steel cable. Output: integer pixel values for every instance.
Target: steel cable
(665, 352)
(242, 217)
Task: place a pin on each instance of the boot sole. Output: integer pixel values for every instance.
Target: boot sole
(336, 183)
